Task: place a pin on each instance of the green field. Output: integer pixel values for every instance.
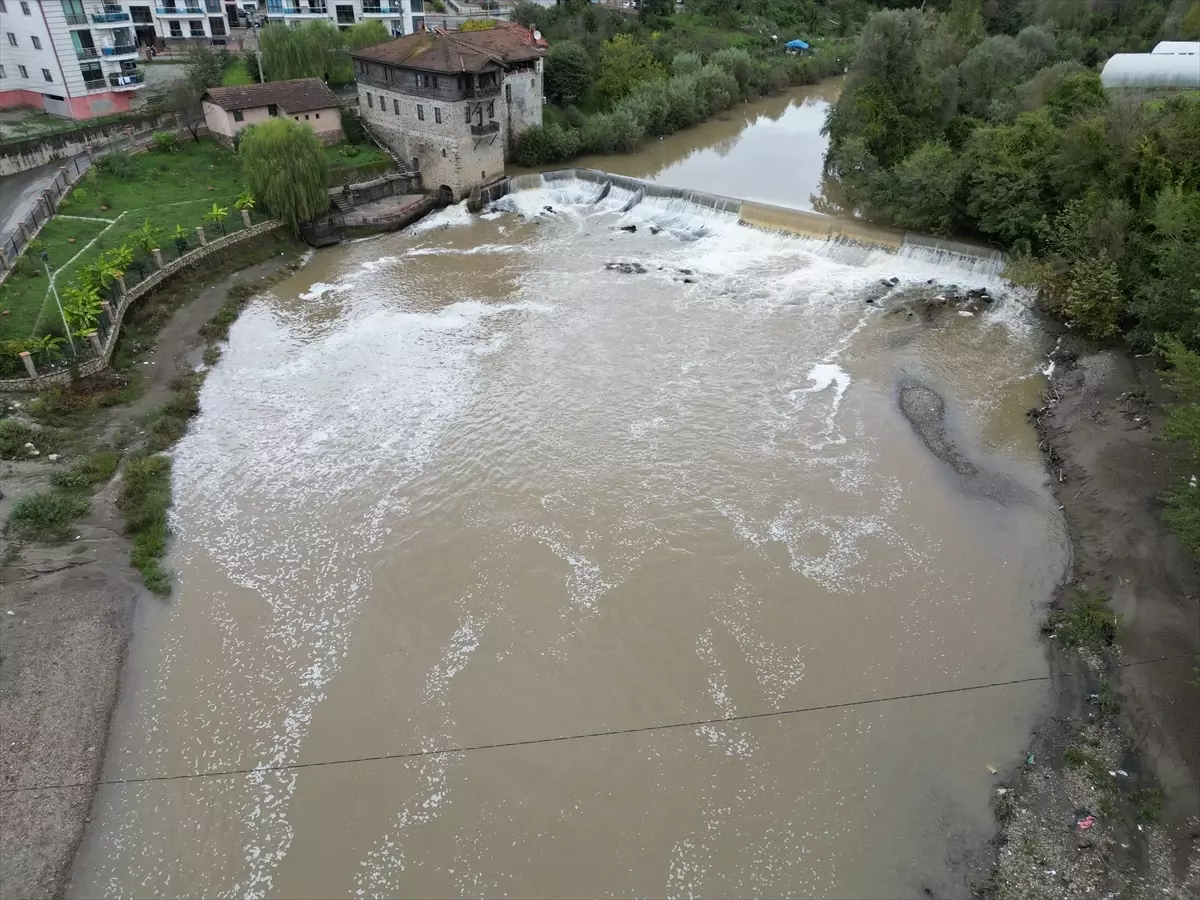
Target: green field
(169, 189)
(236, 74)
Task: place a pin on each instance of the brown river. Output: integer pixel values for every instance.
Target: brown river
(653, 555)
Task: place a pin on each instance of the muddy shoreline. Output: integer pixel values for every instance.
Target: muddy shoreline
(65, 625)
(1081, 817)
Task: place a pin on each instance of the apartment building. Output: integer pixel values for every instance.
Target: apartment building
(399, 17)
(182, 22)
(68, 59)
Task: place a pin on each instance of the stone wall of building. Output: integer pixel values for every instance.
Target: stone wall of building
(446, 151)
(523, 101)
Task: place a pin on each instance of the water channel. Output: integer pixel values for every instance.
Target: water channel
(466, 485)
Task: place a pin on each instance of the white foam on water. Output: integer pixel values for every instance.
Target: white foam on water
(468, 251)
(454, 216)
(318, 290)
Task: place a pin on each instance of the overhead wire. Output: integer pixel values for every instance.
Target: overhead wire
(558, 739)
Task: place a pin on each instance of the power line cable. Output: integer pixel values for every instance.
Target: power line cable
(558, 739)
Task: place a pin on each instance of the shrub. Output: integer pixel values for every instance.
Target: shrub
(91, 470)
(544, 144)
(13, 437)
(686, 64)
(46, 515)
(144, 501)
(167, 141)
(1084, 620)
(118, 163)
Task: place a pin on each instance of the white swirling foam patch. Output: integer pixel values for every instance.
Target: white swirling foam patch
(263, 475)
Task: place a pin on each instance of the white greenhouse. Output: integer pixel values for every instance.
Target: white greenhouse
(1172, 68)
(1182, 48)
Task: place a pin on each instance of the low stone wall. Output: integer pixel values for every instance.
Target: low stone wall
(360, 174)
(394, 185)
(40, 150)
(97, 363)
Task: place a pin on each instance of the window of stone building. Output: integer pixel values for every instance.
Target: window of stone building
(437, 114)
(238, 116)
(491, 109)
(468, 115)
(443, 152)
(420, 112)
(396, 106)
(370, 102)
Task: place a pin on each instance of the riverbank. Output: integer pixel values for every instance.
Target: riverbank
(1107, 802)
(67, 610)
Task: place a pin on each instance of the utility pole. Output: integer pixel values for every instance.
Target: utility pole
(58, 302)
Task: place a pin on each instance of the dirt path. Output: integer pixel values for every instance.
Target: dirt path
(1108, 465)
(65, 617)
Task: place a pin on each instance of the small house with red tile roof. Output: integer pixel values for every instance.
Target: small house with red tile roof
(453, 102)
(227, 110)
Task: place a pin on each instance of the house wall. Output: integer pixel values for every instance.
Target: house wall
(327, 123)
(447, 152)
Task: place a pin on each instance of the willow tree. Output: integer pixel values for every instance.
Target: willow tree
(366, 34)
(311, 50)
(286, 171)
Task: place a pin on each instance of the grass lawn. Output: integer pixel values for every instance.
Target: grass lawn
(24, 291)
(346, 154)
(236, 74)
(168, 188)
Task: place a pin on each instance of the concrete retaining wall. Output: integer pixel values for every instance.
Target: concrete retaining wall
(37, 151)
(98, 363)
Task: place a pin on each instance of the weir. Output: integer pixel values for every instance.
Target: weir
(976, 258)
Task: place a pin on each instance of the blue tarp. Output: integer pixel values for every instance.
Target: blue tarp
(796, 45)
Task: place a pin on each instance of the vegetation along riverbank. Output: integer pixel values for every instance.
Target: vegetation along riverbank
(75, 525)
(614, 81)
(989, 119)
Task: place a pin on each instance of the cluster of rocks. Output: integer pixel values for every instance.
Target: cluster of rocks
(636, 268)
(966, 302)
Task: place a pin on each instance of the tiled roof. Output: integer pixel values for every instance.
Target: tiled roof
(295, 96)
(457, 51)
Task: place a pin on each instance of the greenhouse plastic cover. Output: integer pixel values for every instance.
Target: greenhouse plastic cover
(1188, 48)
(1151, 70)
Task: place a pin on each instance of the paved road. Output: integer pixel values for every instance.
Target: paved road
(19, 193)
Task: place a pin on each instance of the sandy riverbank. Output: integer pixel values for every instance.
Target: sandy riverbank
(1108, 465)
(64, 626)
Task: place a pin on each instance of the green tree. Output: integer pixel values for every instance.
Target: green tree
(1182, 373)
(568, 71)
(1189, 28)
(286, 171)
(653, 11)
(922, 192)
(1010, 187)
(366, 34)
(624, 62)
(205, 67)
(312, 50)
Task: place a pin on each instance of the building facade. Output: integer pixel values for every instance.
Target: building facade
(228, 110)
(452, 103)
(68, 59)
(400, 17)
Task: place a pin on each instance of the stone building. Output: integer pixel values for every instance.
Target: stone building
(453, 103)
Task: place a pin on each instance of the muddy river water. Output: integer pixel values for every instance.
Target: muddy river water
(465, 485)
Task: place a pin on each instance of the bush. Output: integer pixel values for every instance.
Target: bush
(144, 501)
(1084, 620)
(167, 141)
(91, 470)
(119, 163)
(352, 127)
(46, 515)
(545, 144)
(13, 437)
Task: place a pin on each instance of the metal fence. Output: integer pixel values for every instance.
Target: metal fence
(43, 208)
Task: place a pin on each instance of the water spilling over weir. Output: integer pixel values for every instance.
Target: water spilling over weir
(477, 483)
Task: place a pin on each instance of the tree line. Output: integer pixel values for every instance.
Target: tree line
(989, 119)
(613, 80)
